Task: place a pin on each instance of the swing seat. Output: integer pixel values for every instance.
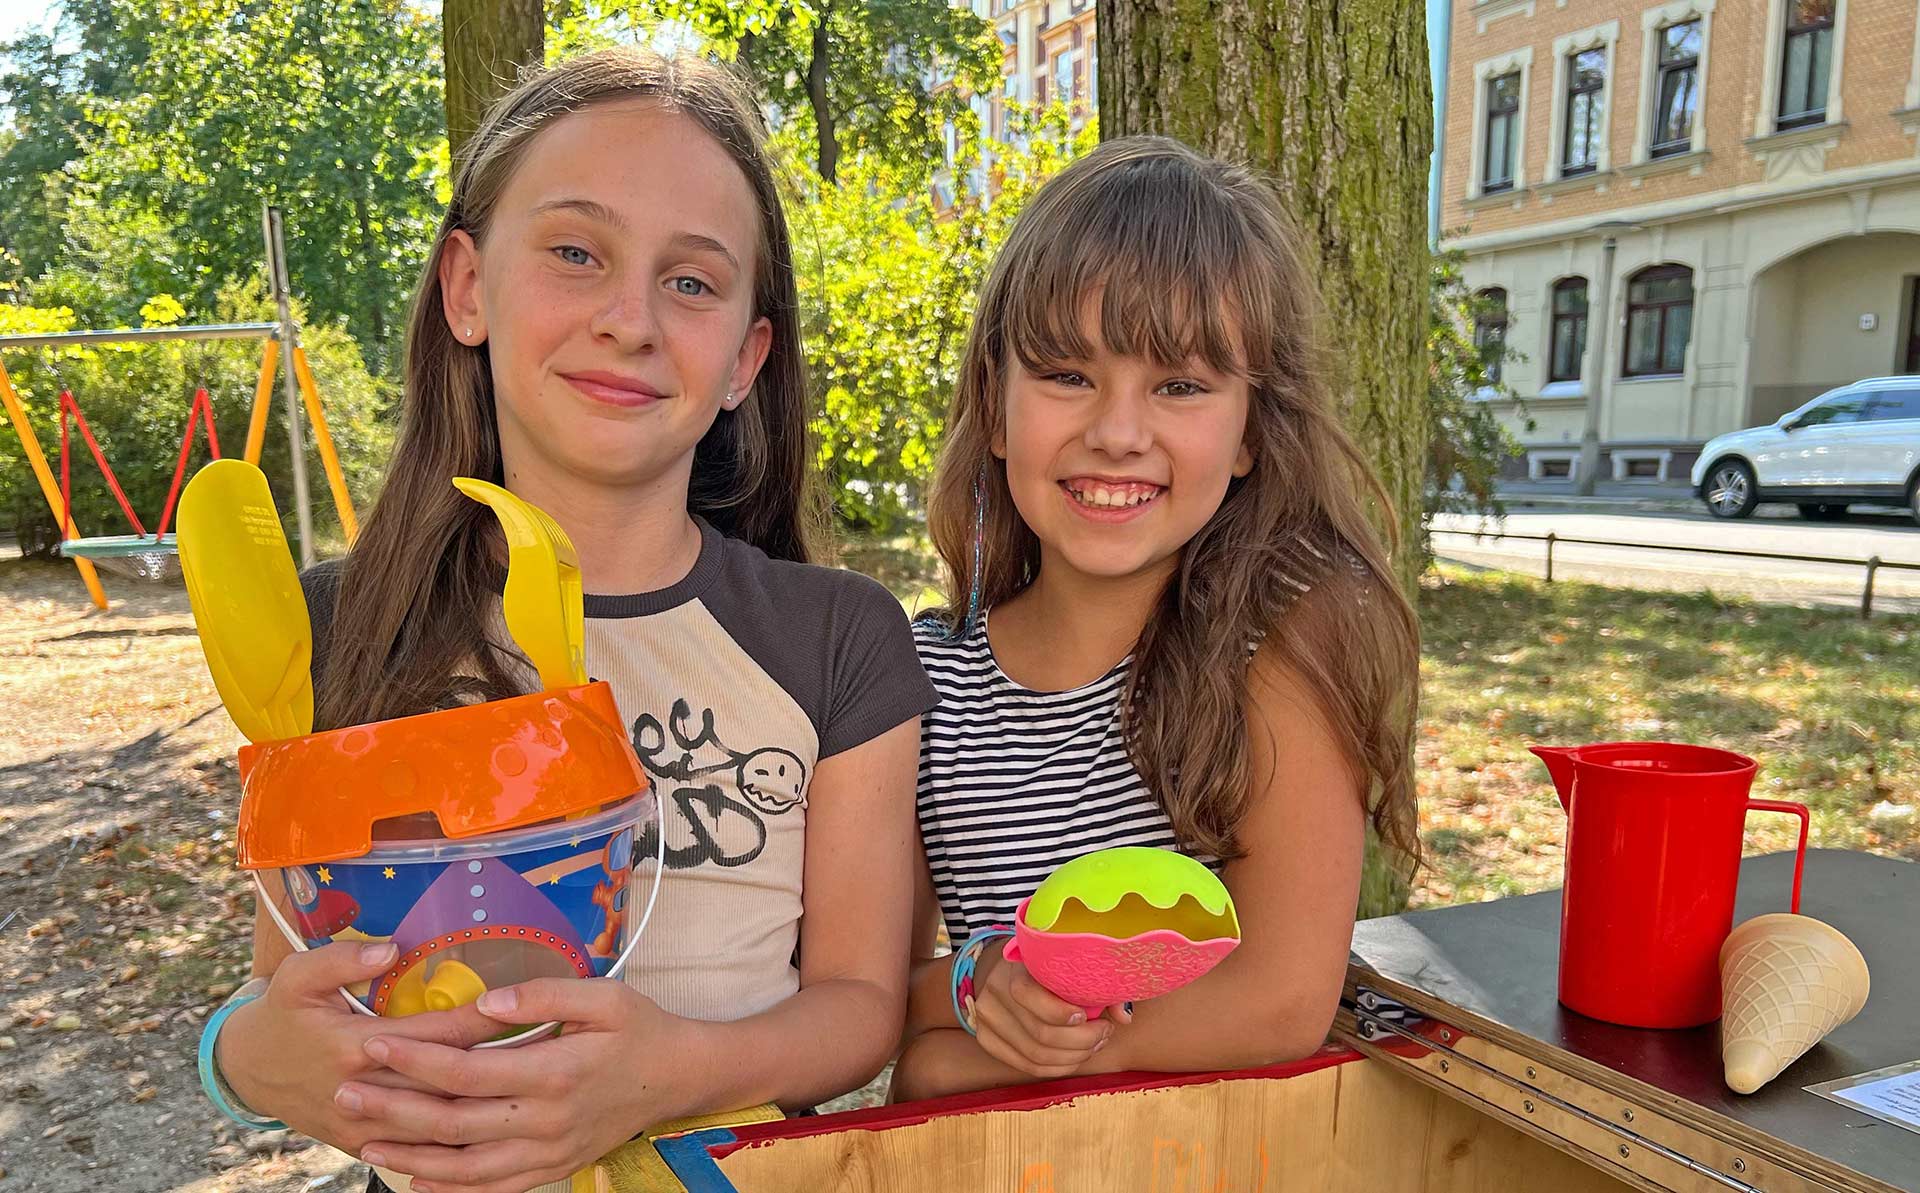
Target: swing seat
(137, 556)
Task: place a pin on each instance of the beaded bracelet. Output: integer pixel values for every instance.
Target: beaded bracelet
(964, 961)
(210, 1080)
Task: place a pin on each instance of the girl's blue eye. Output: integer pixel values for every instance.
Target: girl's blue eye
(573, 254)
(691, 287)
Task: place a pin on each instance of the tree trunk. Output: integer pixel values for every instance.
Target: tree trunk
(817, 64)
(1331, 98)
(486, 43)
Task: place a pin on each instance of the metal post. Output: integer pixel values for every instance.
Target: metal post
(1866, 594)
(289, 337)
(1550, 540)
(1599, 321)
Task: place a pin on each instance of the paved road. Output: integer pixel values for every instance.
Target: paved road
(1891, 536)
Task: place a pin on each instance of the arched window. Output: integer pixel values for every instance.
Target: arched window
(1490, 330)
(1569, 329)
(1659, 320)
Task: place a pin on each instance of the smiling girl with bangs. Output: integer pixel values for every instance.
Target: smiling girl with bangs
(1172, 624)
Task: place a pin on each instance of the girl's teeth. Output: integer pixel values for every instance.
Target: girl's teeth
(1112, 498)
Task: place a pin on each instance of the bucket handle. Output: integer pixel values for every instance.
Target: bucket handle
(1800, 852)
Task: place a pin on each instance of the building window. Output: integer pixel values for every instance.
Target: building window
(1569, 329)
(1503, 129)
(1808, 59)
(1063, 78)
(1490, 331)
(1659, 319)
(1093, 74)
(1678, 89)
(1586, 114)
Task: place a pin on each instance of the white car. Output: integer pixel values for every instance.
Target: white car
(1859, 444)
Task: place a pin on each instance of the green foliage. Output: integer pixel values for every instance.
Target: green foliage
(152, 147)
(885, 77)
(1468, 442)
(888, 278)
(136, 398)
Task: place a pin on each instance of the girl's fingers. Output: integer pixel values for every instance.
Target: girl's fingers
(1005, 1024)
(408, 1117)
(505, 1167)
(488, 1073)
(1041, 1005)
(1000, 1050)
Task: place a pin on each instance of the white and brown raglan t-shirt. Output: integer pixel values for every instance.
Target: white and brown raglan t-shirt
(735, 683)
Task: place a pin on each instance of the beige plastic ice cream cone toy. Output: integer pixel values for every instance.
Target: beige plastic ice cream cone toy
(1786, 981)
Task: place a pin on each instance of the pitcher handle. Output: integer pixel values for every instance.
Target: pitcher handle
(1800, 853)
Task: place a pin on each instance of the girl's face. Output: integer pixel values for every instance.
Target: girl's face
(614, 292)
(1116, 462)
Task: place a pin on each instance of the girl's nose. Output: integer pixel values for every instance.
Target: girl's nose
(1119, 425)
(627, 319)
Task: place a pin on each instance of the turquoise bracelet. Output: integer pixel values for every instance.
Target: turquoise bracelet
(965, 959)
(210, 1081)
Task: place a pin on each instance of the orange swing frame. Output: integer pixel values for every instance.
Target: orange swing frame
(256, 432)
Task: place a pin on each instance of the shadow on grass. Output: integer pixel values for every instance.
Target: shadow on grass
(1827, 703)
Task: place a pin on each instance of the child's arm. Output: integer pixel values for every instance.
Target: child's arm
(1295, 891)
(1274, 997)
(929, 985)
(540, 1111)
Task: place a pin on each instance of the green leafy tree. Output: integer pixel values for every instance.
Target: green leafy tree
(330, 108)
(1469, 442)
(856, 78)
(887, 279)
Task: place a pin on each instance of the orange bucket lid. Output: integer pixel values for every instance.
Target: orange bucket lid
(479, 768)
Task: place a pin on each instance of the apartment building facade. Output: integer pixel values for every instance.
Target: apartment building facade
(1684, 216)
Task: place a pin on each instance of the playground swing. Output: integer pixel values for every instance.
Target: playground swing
(140, 555)
(154, 556)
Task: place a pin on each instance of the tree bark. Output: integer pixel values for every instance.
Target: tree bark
(486, 43)
(817, 66)
(1332, 100)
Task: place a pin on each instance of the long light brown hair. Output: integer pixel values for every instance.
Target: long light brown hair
(1194, 258)
(414, 602)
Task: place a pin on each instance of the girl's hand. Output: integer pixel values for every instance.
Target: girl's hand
(537, 1112)
(1023, 1026)
(286, 1052)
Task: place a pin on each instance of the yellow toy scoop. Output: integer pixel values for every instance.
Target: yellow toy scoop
(247, 602)
(543, 604)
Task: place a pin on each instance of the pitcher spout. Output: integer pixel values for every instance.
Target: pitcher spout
(1559, 760)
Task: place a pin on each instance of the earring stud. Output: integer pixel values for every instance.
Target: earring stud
(467, 334)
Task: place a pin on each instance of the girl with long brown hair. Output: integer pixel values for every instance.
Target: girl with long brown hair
(1172, 623)
(607, 326)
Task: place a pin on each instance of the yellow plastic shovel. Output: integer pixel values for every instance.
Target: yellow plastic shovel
(247, 602)
(543, 603)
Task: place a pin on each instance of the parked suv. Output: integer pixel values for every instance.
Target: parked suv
(1859, 444)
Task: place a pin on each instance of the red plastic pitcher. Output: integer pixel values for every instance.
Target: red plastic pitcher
(1653, 861)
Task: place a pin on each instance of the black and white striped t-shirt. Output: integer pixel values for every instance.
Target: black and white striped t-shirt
(1015, 782)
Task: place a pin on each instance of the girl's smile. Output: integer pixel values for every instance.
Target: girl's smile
(1100, 499)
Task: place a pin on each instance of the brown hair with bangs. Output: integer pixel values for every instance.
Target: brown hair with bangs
(1194, 258)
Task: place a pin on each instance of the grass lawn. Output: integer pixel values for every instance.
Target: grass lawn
(1828, 704)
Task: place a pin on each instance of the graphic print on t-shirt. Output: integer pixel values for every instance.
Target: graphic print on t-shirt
(693, 769)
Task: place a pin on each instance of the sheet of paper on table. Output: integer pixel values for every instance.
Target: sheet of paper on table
(1891, 1094)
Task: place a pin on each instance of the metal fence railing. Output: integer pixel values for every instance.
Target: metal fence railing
(1872, 564)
